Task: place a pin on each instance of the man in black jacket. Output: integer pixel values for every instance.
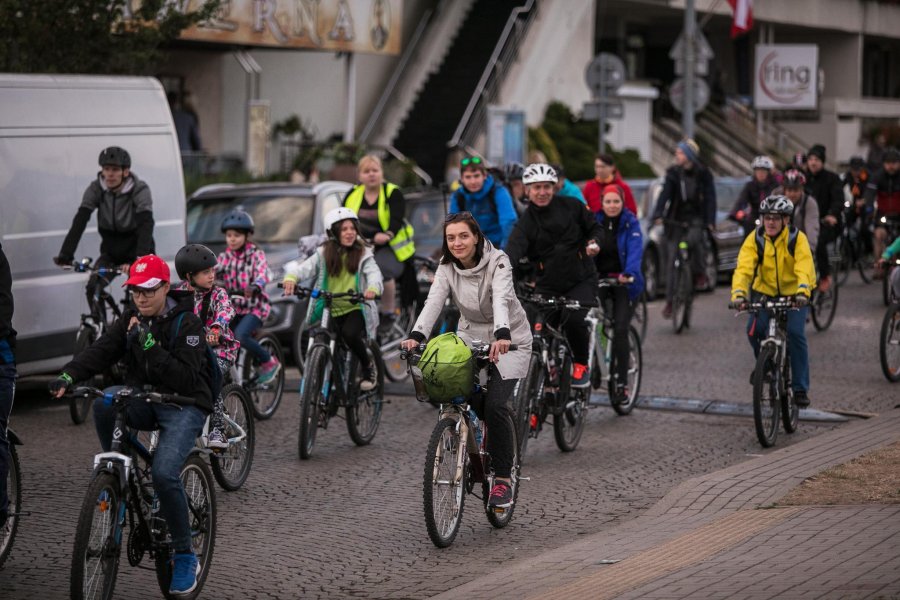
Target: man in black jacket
(7, 377)
(163, 345)
(559, 236)
(826, 187)
(883, 193)
(124, 218)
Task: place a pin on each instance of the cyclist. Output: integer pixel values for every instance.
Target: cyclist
(688, 196)
(196, 266)
(760, 186)
(343, 263)
(124, 218)
(883, 192)
(856, 180)
(781, 272)
(489, 202)
(161, 341)
(7, 377)
(381, 209)
(565, 187)
(621, 250)
(559, 236)
(478, 277)
(605, 173)
(242, 267)
(825, 187)
(806, 209)
(515, 187)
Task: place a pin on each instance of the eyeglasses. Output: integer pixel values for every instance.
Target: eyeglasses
(470, 160)
(772, 217)
(146, 293)
(458, 216)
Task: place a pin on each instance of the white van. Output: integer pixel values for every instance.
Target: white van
(52, 129)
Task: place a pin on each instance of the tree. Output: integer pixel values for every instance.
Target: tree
(93, 36)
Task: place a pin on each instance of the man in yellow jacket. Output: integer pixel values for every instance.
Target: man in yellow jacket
(776, 260)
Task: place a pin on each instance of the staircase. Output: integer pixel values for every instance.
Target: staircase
(437, 111)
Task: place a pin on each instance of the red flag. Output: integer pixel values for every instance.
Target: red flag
(743, 17)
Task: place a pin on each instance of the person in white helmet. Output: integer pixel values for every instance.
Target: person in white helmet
(343, 263)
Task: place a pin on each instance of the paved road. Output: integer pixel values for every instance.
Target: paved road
(348, 522)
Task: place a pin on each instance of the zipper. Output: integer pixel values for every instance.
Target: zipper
(777, 280)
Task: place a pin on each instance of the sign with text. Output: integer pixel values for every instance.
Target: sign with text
(786, 76)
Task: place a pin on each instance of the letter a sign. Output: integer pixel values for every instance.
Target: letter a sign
(786, 77)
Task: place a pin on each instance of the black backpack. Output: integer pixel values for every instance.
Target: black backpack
(216, 377)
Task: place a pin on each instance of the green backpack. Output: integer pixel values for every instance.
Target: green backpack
(447, 367)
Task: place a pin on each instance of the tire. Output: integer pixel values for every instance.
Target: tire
(889, 346)
(525, 402)
(712, 269)
(310, 398)
(841, 260)
(198, 487)
(80, 408)
(790, 412)
(569, 424)
(886, 287)
(444, 484)
(765, 397)
(641, 316)
(231, 467)
(650, 268)
(635, 362)
(823, 307)
(95, 557)
(865, 263)
(364, 415)
(394, 368)
(14, 491)
(682, 298)
(267, 397)
(502, 519)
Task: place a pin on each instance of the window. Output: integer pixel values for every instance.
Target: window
(277, 219)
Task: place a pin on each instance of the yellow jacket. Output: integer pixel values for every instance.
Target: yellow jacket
(780, 274)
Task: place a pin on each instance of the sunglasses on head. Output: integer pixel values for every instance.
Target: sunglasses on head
(470, 160)
(458, 216)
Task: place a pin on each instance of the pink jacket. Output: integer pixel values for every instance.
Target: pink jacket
(219, 315)
(240, 269)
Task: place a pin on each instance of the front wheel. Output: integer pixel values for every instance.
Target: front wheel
(98, 536)
(569, 424)
(641, 315)
(889, 346)
(231, 467)
(526, 398)
(266, 396)
(823, 307)
(364, 415)
(444, 483)
(633, 385)
(80, 407)
(14, 492)
(886, 287)
(682, 298)
(765, 397)
(310, 398)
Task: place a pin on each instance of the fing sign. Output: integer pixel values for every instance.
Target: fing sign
(786, 76)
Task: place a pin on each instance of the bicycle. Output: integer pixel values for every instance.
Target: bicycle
(93, 325)
(822, 306)
(602, 325)
(231, 466)
(457, 459)
(640, 315)
(14, 492)
(893, 230)
(772, 392)
(851, 249)
(546, 390)
(389, 338)
(889, 344)
(683, 287)
(122, 486)
(330, 380)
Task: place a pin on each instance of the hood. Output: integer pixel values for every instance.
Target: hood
(480, 194)
(130, 182)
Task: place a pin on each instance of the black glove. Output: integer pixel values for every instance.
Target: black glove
(63, 260)
(60, 383)
(739, 303)
(141, 335)
(801, 300)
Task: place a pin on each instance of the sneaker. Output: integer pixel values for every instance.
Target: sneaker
(801, 399)
(268, 371)
(368, 381)
(185, 568)
(667, 311)
(825, 284)
(501, 495)
(216, 440)
(581, 376)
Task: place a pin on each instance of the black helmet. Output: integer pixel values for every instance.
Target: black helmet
(118, 157)
(194, 258)
(514, 171)
(238, 220)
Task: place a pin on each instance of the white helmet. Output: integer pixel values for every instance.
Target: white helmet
(336, 215)
(539, 172)
(762, 162)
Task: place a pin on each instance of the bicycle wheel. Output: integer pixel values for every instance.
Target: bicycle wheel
(823, 306)
(889, 346)
(569, 425)
(641, 315)
(886, 287)
(267, 396)
(865, 263)
(310, 398)
(98, 535)
(231, 467)
(841, 260)
(525, 400)
(364, 415)
(201, 497)
(635, 361)
(14, 492)
(502, 518)
(80, 407)
(765, 397)
(681, 299)
(444, 483)
(790, 412)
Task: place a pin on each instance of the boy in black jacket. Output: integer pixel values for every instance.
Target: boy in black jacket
(163, 345)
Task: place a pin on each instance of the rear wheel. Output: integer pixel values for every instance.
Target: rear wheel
(681, 298)
(364, 415)
(501, 517)
(650, 267)
(823, 307)
(310, 398)
(444, 483)
(865, 263)
(841, 260)
(765, 397)
(633, 385)
(569, 424)
(98, 536)
(266, 396)
(80, 406)
(14, 492)
(232, 466)
(889, 347)
(525, 401)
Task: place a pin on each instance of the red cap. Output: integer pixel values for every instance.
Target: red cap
(614, 189)
(148, 272)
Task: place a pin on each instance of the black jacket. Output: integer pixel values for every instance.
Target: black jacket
(7, 333)
(178, 366)
(826, 187)
(751, 196)
(553, 239)
(687, 195)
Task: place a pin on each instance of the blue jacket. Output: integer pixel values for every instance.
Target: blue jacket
(570, 189)
(631, 250)
(495, 224)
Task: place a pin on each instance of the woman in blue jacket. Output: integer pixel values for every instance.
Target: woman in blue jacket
(620, 254)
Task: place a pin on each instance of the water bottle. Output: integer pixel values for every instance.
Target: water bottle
(475, 423)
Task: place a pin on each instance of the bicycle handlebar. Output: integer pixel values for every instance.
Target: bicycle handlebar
(555, 302)
(127, 392)
(478, 352)
(613, 280)
(779, 303)
(303, 292)
(86, 266)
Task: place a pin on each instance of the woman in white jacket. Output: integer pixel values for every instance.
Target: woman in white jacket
(343, 263)
(478, 278)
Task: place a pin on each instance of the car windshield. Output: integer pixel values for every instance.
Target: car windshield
(427, 219)
(276, 219)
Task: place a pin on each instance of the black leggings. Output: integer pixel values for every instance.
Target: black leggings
(574, 326)
(352, 329)
(498, 417)
(621, 313)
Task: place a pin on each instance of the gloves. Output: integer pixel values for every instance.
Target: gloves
(60, 383)
(63, 260)
(141, 332)
(739, 303)
(801, 300)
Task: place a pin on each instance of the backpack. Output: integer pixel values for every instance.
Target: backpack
(216, 377)
(446, 366)
(461, 199)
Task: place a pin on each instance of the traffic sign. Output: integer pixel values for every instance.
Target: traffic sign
(603, 108)
(703, 53)
(605, 73)
(701, 94)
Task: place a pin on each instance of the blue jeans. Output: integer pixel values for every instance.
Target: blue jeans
(758, 328)
(7, 392)
(243, 331)
(178, 430)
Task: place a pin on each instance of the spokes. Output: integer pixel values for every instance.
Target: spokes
(447, 483)
(101, 545)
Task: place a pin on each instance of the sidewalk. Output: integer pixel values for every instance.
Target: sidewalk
(717, 536)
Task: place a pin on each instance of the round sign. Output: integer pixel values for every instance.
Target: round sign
(606, 70)
(701, 94)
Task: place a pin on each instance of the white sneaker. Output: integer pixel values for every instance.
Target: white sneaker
(368, 381)
(216, 440)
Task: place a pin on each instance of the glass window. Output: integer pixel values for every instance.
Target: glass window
(277, 219)
(427, 219)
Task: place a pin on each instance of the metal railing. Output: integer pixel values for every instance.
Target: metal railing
(505, 52)
(289, 150)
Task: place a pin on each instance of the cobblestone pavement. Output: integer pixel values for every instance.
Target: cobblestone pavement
(348, 523)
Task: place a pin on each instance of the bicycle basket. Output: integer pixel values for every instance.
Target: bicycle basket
(446, 366)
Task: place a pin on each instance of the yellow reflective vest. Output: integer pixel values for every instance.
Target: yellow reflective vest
(402, 243)
(780, 274)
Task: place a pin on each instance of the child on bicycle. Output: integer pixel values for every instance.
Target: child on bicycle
(781, 272)
(344, 263)
(242, 269)
(196, 265)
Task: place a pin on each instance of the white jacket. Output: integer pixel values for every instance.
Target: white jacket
(487, 302)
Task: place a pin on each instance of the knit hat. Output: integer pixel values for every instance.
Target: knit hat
(817, 150)
(691, 150)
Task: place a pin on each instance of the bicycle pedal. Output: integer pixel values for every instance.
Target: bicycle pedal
(524, 478)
